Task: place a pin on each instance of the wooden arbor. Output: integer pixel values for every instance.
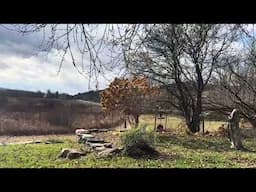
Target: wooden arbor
(161, 112)
(161, 115)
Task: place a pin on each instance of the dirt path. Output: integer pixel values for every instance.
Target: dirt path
(110, 136)
(28, 139)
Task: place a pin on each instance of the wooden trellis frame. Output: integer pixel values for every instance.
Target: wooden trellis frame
(161, 117)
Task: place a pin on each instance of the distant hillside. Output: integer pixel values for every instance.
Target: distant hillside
(22, 93)
(19, 93)
(36, 113)
(38, 116)
(93, 96)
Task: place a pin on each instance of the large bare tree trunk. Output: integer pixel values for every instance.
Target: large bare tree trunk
(198, 107)
(193, 122)
(193, 112)
(234, 130)
(195, 125)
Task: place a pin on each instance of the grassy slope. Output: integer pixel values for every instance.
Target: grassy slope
(178, 150)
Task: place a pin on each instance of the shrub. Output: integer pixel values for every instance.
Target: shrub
(138, 143)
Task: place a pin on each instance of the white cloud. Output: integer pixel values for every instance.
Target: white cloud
(21, 68)
(34, 73)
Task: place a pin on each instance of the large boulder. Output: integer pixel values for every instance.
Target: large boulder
(75, 154)
(86, 136)
(64, 153)
(81, 131)
(102, 148)
(94, 145)
(110, 152)
(70, 153)
(95, 140)
(108, 145)
(83, 137)
(94, 130)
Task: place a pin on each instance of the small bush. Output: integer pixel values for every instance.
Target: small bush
(138, 143)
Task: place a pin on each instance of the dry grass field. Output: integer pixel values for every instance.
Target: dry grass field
(51, 116)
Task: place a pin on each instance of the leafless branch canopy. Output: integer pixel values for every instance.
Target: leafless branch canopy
(185, 58)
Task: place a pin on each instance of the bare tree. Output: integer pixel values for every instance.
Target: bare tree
(94, 49)
(182, 57)
(235, 85)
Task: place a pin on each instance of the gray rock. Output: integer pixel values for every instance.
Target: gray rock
(85, 136)
(99, 148)
(108, 145)
(95, 140)
(93, 145)
(70, 153)
(81, 131)
(74, 154)
(64, 153)
(121, 148)
(93, 130)
(103, 130)
(109, 152)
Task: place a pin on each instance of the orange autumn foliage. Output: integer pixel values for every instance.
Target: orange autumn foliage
(126, 95)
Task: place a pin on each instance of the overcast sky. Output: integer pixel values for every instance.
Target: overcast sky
(21, 68)
(24, 66)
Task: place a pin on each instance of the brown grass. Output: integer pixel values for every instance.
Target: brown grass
(19, 139)
(44, 116)
(175, 122)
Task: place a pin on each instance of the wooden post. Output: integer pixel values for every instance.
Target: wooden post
(202, 115)
(203, 124)
(125, 124)
(165, 121)
(155, 121)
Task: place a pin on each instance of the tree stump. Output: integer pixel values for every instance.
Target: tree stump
(234, 130)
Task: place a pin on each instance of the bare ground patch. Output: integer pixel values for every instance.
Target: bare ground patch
(33, 138)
